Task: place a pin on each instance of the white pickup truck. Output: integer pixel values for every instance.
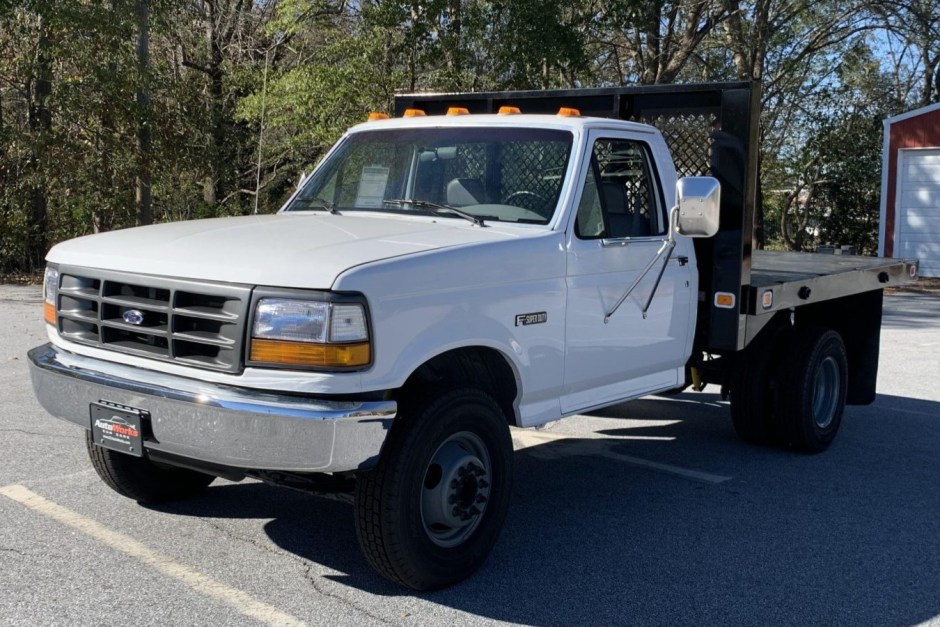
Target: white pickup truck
(439, 277)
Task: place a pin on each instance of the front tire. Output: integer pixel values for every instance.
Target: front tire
(140, 479)
(429, 513)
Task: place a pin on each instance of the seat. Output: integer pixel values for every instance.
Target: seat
(624, 221)
(619, 221)
(465, 191)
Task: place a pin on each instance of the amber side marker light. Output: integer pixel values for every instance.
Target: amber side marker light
(308, 354)
(458, 111)
(507, 110)
(413, 113)
(569, 112)
(724, 300)
(48, 313)
(377, 115)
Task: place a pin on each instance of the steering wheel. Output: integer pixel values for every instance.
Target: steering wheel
(526, 199)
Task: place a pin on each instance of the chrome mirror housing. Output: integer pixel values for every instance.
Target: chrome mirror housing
(698, 199)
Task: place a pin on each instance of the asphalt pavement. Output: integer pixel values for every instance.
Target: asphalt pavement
(647, 513)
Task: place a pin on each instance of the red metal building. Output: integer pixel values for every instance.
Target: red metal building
(910, 189)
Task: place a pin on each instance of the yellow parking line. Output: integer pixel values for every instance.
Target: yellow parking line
(203, 584)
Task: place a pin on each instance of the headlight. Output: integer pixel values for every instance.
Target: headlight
(323, 334)
(50, 283)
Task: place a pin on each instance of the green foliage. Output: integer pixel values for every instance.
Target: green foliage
(826, 186)
(229, 79)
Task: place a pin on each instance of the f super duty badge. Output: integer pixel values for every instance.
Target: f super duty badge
(540, 317)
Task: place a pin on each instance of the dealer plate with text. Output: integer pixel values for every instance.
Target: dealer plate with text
(118, 427)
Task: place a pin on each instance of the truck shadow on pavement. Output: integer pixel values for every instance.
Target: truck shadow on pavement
(848, 537)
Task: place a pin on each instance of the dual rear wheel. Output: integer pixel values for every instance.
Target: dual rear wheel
(790, 389)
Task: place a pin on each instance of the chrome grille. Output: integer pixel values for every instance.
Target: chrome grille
(196, 323)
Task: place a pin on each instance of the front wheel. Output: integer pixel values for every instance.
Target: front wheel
(140, 479)
(429, 513)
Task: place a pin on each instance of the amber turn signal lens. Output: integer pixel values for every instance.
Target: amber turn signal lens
(308, 354)
(48, 313)
(724, 300)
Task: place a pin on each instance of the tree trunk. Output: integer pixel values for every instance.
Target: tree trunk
(142, 195)
(454, 46)
(212, 189)
(103, 211)
(931, 92)
(40, 120)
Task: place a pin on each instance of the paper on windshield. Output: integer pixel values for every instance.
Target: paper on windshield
(372, 185)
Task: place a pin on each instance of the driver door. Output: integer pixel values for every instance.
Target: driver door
(620, 224)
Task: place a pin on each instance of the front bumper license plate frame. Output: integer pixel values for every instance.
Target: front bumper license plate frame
(118, 427)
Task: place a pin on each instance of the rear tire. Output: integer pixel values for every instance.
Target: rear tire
(812, 390)
(429, 513)
(752, 383)
(140, 479)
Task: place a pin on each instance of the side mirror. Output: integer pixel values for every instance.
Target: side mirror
(699, 199)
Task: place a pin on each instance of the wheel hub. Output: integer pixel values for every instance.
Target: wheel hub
(827, 389)
(456, 489)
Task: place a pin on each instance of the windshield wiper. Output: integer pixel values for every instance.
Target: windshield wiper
(323, 202)
(435, 207)
(329, 206)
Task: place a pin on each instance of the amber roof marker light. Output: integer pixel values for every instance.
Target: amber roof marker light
(378, 115)
(413, 113)
(508, 110)
(458, 111)
(569, 112)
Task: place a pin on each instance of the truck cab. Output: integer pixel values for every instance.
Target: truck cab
(560, 214)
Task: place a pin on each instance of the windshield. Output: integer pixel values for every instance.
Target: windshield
(495, 173)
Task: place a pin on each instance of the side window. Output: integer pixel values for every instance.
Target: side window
(621, 196)
(590, 221)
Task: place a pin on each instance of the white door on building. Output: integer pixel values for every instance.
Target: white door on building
(917, 223)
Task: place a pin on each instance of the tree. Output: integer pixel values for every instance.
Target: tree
(222, 104)
(794, 49)
(829, 190)
(653, 42)
(916, 23)
(214, 38)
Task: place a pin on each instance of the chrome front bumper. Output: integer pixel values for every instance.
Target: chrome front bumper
(229, 426)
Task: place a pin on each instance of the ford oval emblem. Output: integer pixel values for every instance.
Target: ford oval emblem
(134, 316)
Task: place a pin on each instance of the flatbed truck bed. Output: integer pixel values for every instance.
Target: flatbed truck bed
(794, 279)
